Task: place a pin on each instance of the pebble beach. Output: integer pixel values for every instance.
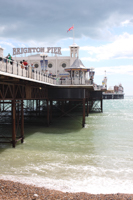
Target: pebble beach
(17, 191)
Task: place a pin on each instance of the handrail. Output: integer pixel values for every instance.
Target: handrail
(13, 67)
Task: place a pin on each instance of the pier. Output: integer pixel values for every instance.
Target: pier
(25, 92)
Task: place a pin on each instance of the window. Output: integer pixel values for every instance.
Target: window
(77, 73)
(64, 65)
(36, 65)
(50, 65)
(80, 73)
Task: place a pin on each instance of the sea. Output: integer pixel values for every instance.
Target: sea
(95, 159)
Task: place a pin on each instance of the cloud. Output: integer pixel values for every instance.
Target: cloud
(65, 49)
(127, 22)
(123, 70)
(2, 28)
(121, 48)
(89, 59)
(48, 21)
(7, 43)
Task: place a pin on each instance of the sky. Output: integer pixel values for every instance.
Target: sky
(102, 28)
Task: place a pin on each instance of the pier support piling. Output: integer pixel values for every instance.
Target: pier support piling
(51, 104)
(13, 123)
(87, 108)
(101, 105)
(47, 112)
(83, 120)
(22, 122)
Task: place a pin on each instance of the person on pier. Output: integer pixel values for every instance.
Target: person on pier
(9, 58)
(25, 64)
(32, 67)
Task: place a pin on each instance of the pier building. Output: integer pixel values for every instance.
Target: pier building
(116, 93)
(55, 84)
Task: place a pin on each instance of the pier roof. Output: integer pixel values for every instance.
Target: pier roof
(77, 65)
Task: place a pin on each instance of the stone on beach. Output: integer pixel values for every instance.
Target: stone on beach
(17, 191)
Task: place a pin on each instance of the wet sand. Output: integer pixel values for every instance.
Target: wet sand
(18, 191)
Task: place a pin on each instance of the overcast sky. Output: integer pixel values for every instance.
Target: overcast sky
(103, 29)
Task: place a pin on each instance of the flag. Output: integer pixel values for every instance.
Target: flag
(70, 28)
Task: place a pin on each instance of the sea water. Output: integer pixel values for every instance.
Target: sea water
(65, 156)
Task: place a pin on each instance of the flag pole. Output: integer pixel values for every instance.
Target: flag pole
(73, 33)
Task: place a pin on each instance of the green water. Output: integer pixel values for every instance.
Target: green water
(64, 156)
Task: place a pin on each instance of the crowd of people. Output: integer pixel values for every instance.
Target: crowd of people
(24, 64)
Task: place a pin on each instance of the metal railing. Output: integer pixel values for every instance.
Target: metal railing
(13, 67)
(100, 87)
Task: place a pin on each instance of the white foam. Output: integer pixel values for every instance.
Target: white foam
(93, 185)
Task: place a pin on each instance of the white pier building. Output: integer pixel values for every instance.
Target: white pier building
(55, 70)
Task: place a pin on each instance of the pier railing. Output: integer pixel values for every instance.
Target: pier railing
(17, 69)
(12, 67)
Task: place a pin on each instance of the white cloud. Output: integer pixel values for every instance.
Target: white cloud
(126, 22)
(7, 43)
(123, 69)
(65, 49)
(21, 45)
(89, 59)
(50, 20)
(121, 48)
(2, 28)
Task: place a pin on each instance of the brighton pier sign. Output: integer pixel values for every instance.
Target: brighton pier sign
(54, 50)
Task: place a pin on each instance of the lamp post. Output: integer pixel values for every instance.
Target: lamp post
(44, 55)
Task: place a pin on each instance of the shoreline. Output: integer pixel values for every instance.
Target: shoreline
(16, 190)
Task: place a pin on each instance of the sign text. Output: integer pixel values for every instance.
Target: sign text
(55, 50)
